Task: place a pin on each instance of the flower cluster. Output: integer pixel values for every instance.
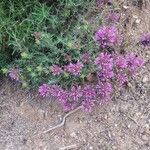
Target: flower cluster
(134, 62)
(44, 90)
(120, 62)
(14, 74)
(145, 40)
(111, 68)
(74, 68)
(105, 65)
(104, 90)
(56, 70)
(117, 66)
(121, 78)
(107, 36)
(75, 93)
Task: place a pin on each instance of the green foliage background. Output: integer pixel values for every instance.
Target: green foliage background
(34, 36)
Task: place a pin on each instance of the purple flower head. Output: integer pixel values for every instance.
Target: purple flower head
(14, 74)
(105, 65)
(105, 74)
(55, 90)
(60, 94)
(134, 62)
(88, 105)
(56, 70)
(120, 62)
(121, 78)
(75, 93)
(63, 97)
(145, 40)
(67, 106)
(86, 57)
(44, 90)
(74, 69)
(104, 89)
(113, 17)
(89, 92)
(104, 59)
(107, 36)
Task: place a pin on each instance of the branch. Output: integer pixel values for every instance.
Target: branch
(62, 122)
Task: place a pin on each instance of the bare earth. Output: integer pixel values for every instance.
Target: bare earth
(123, 124)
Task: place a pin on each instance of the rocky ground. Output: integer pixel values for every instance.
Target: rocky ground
(123, 124)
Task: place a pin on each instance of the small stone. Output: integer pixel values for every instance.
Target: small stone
(106, 116)
(114, 147)
(129, 125)
(145, 138)
(145, 79)
(73, 134)
(125, 7)
(91, 148)
(147, 126)
(138, 21)
(135, 16)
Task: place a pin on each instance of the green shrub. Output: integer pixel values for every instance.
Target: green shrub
(38, 36)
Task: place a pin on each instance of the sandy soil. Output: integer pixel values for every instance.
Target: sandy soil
(123, 124)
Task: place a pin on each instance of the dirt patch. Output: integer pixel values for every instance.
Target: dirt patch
(123, 124)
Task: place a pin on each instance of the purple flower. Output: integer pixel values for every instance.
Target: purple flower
(120, 61)
(105, 74)
(134, 62)
(56, 70)
(14, 74)
(60, 94)
(107, 36)
(75, 93)
(104, 59)
(145, 40)
(74, 69)
(105, 65)
(89, 96)
(86, 57)
(113, 17)
(104, 89)
(89, 92)
(67, 106)
(44, 90)
(88, 105)
(121, 78)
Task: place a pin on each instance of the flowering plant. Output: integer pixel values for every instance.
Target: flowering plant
(56, 51)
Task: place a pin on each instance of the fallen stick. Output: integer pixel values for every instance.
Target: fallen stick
(68, 147)
(62, 122)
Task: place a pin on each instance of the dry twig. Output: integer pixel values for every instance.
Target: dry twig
(62, 122)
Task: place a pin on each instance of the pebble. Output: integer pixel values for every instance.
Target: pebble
(145, 138)
(138, 21)
(125, 7)
(135, 16)
(147, 126)
(114, 147)
(91, 148)
(73, 134)
(129, 125)
(145, 79)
